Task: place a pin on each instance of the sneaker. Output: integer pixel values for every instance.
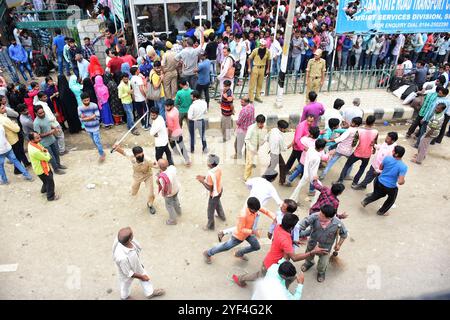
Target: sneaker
(243, 257)
(358, 187)
(259, 100)
(321, 177)
(157, 293)
(59, 171)
(55, 198)
(288, 184)
(62, 167)
(205, 228)
(30, 178)
(354, 185)
(135, 132)
(204, 151)
(363, 203)
(207, 257)
(146, 128)
(4, 183)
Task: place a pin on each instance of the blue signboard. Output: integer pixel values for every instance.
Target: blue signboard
(393, 16)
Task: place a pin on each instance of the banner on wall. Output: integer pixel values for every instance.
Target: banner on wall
(393, 16)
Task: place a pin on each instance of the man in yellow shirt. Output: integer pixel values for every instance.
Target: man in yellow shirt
(39, 160)
(156, 80)
(125, 95)
(245, 230)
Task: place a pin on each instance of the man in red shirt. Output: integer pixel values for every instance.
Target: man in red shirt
(115, 64)
(282, 246)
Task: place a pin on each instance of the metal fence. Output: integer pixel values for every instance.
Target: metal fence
(337, 80)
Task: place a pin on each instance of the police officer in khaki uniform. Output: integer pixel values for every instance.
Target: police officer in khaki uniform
(315, 73)
(261, 67)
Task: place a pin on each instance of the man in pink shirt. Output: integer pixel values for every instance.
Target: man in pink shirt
(383, 150)
(246, 118)
(368, 137)
(313, 107)
(301, 131)
(175, 132)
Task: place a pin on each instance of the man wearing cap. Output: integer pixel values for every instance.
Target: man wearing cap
(169, 65)
(315, 73)
(261, 67)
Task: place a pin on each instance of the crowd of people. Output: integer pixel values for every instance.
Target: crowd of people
(166, 84)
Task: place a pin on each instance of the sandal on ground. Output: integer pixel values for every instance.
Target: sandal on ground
(321, 277)
(415, 161)
(171, 222)
(157, 293)
(236, 280)
(305, 267)
(207, 257)
(220, 235)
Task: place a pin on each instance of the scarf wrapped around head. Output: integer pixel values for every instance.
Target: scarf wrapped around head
(167, 188)
(101, 91)
(125, 68)
(141, 52)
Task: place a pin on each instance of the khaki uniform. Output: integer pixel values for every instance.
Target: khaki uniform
(142, 172)
(257, 74)
(170, 82)
(315, 69)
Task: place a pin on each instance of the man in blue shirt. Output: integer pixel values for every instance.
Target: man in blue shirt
(59, 43)
(204, 67)
(19, 56)
(393, 172)
(346, 47)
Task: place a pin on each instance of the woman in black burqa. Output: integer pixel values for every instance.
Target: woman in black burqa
(69, 105)
(88, 87)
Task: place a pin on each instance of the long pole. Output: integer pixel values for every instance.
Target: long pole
(232, 16)
(134, 23)
(284, 57)
(334, 53)
(200, 11)
(128, 132)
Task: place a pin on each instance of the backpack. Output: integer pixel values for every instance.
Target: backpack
(234, 70)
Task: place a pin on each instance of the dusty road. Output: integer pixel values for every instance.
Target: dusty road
(63, 249)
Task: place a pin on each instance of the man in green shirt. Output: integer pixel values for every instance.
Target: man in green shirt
(40, 157)
(428, 103)
(183, 100)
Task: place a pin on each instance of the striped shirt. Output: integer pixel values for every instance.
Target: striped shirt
(87, 111)
(226, 107)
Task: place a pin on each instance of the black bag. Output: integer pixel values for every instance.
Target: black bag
(412, 88)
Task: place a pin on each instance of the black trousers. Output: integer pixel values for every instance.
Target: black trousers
(438, 139)
(295, 155)
(159, 151)
(48, 185)
(19, 152)
(370, 176)
(204, 88)
(414, 125)
(350, 161)
(141, 108)
(380, 191)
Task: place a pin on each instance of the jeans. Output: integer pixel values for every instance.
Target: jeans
(53, 149)
(11, 157)
(95, 136)
(374, 59)
(200, 126)
(141, 108)
(380, 191)
(295, 155)
(298, 171)
(233, 242)
(61, 63)
(22, 66)
(344, 60)
(160, 104)
(192, 79)
(350, 161)
(275, 66)
(19, 152)
(174, 141)
(48, 185)
(297, 63)
(331, 163)
(129, 112)
(204, 88)
(13, 73)
(159, 151)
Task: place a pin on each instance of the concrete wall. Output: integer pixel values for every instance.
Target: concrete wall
(92, 28)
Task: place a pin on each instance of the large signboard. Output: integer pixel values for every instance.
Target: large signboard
(393, 16)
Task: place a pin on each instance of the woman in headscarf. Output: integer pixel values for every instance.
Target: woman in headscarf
(102, 96)
(141, 52)
(76, 88)
(114, 101)
(52, 100)
(125, 68)
(69, 105)
(95, 69)
(88, 87)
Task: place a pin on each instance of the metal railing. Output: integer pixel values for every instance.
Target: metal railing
(49, 19)
(337, 80)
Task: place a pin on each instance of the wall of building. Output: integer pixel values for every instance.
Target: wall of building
(92, 28)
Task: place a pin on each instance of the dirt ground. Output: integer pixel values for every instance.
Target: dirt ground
(63, 249)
